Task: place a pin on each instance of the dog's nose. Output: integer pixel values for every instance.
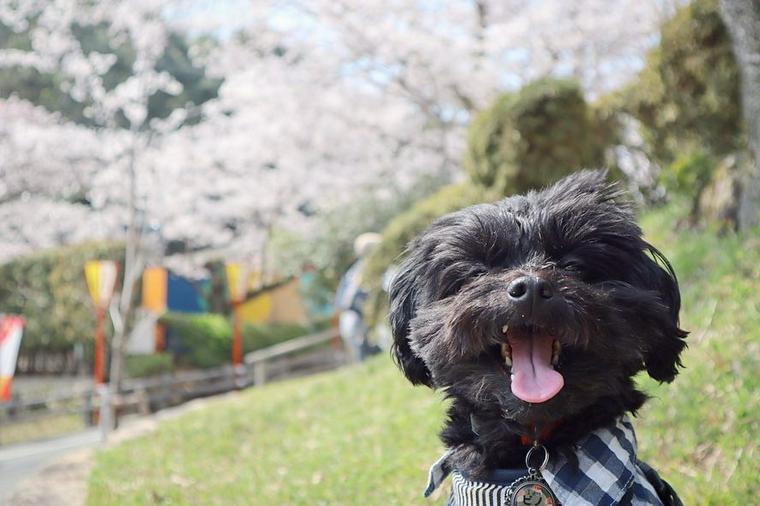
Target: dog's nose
(530, 289)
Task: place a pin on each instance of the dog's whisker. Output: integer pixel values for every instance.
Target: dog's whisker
(480, 389)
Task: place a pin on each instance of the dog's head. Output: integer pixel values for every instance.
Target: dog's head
(537, 306)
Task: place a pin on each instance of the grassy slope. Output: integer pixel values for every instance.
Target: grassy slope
(359, 435)
(702, 431)
(364, 436)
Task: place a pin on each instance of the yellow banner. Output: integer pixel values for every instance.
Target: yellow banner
(92, 275)
(101, 280)
(240, 279)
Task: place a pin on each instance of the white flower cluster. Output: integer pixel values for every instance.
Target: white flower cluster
(320, 100)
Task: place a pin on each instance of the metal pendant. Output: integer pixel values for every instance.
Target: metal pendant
(532, 490)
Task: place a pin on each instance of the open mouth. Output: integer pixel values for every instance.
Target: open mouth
(531, 354)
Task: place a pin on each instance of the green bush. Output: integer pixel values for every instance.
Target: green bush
(689, 173)
(205, 339)
(687, 96)
(534, 137)
(49, 290)
(139, 366)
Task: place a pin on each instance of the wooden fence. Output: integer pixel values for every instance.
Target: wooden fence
(296, 357)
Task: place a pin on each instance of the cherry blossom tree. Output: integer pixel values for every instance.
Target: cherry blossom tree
(321, 99)
(120, 110)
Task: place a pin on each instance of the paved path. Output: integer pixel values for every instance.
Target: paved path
(21, 461)
(54, 472)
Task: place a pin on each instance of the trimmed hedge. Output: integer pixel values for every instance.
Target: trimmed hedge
(49, 290)
(204, 339)
(534, 137)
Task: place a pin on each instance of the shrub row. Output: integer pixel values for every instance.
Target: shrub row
(204, 339)
(49, 290)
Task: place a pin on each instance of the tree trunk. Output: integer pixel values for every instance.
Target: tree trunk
(123, 312)
(742, 17)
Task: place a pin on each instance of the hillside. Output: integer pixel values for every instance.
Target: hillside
(362, 435)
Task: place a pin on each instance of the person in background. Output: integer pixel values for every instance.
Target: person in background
(349, 302)
(382, 331)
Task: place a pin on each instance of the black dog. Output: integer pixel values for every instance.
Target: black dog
(533, 314)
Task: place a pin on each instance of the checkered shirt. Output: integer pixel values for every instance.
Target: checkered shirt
(602, 471)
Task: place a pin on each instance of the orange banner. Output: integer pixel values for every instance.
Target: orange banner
(5, 388)
(154, 289)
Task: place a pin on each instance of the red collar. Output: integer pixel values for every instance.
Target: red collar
(532, 432)
(541, 433)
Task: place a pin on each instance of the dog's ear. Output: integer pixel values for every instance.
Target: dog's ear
(663, 347)
(404, 299)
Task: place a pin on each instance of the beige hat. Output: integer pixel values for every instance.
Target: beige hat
(365, 242)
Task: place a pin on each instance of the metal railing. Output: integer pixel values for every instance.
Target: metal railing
(296, 357)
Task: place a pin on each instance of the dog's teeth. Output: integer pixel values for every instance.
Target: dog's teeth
(505, 329)
(556, 349)
(506, 354)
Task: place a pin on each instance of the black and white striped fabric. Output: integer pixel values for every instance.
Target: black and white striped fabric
(468, 492)
(603, 471)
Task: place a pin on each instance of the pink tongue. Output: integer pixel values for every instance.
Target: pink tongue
(534, 379)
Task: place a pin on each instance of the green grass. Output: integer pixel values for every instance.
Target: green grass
(362, 435)
(357, 436)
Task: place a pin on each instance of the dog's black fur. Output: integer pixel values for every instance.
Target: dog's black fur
(615, 312)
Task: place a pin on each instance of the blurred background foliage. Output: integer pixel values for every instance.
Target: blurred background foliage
(688, 105)
(403, 228)
(49, 290)
(687, 96)
(140, 366)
